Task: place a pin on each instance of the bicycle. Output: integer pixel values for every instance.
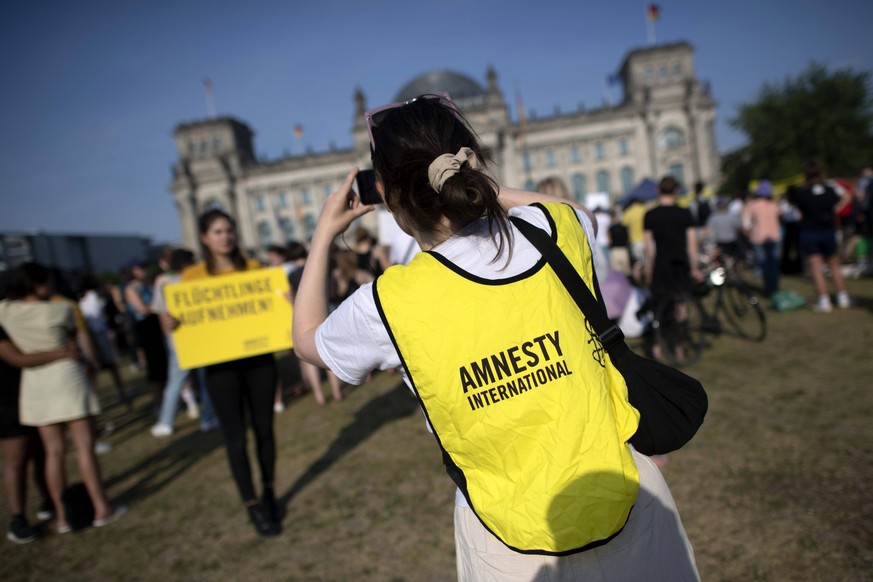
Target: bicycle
(683, 321)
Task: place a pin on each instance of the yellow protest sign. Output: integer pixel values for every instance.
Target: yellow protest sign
(230, 317)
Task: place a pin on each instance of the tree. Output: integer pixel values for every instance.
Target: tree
(819, 113)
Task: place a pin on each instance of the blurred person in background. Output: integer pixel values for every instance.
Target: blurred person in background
(700, 207)
(57, 397)
(138, 294)
(93, 308)
(789, 216)
(21, 444)
(819, 204)
(723, 229)
(761, 224)
(632, 217)
(619, 245)
(671, 244)
(177, 379)
(309, 373)
(371, 257)
(278, 257)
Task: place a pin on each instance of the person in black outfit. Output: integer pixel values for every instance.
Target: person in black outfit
(242, 386)
(371, 257)
(700, 207)
(620, 257)
(671, 243)
(819, 205)
(671, 257)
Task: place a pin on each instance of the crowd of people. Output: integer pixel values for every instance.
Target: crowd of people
(68, 339)
(355, 312)
(819, 227)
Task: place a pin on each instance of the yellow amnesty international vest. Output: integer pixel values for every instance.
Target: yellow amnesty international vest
(532, 417)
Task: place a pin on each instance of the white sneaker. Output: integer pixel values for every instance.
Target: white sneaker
(843, 301)
(823, 306)
(193, 411)
(161, 430)
(279, 406)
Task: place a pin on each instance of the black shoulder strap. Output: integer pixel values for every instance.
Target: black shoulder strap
(610, 335)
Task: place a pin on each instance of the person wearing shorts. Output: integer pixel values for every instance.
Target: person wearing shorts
(819, 204)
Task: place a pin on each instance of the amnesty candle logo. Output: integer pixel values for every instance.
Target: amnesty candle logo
(513, 371)
(230, 317)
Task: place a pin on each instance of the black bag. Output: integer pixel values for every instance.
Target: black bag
(671, 403)
(78, 508)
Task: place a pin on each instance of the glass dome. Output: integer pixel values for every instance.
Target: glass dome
(458, 85)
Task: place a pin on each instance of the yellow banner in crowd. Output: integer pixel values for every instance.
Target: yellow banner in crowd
(230, 317)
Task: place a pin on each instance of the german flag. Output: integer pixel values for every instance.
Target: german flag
(653, 12)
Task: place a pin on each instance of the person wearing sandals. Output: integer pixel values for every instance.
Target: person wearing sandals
(238, 386)
(56, 397)
(494, 349)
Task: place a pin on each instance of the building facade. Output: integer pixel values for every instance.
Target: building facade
(663, 125)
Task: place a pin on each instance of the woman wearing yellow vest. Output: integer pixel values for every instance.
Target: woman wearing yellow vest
(532, 418)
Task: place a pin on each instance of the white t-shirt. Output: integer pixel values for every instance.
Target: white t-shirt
(91, 306)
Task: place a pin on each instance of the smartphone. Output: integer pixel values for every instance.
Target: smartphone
(366, 182)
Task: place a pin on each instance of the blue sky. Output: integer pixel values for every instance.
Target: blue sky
(91, 91)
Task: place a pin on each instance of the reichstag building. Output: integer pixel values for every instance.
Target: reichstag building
(665, 124)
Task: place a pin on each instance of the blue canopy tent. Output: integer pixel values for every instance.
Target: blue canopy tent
(646, 190)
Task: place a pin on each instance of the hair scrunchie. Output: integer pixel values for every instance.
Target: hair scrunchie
(447, 165)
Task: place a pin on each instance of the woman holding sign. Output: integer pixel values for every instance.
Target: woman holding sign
(240, 385)
(533, 428)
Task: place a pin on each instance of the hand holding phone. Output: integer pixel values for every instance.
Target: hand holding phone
(366, 182)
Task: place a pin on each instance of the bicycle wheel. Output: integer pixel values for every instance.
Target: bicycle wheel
(744, 313)
(679, 329)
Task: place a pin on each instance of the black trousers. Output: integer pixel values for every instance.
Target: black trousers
(236, 388)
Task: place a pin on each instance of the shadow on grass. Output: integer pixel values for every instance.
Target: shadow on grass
(161, 468)
(863, 302)
(391, 406)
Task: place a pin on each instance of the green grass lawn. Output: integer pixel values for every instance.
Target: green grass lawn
(774, 487)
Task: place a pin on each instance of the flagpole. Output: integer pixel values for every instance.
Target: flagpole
(210, 100)
(653, 12)
(522, 126)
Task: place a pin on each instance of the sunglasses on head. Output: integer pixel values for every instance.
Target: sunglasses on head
(375, 116)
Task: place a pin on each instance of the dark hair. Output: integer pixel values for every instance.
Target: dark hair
(166, 252)
(179, 259)
(203, 223)
(408, 140)
(813, 170)
(698, 187)
(363, 235)
(90, 282)
(668, 186)
(296, 251)
(28, 276)
(281, 251)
